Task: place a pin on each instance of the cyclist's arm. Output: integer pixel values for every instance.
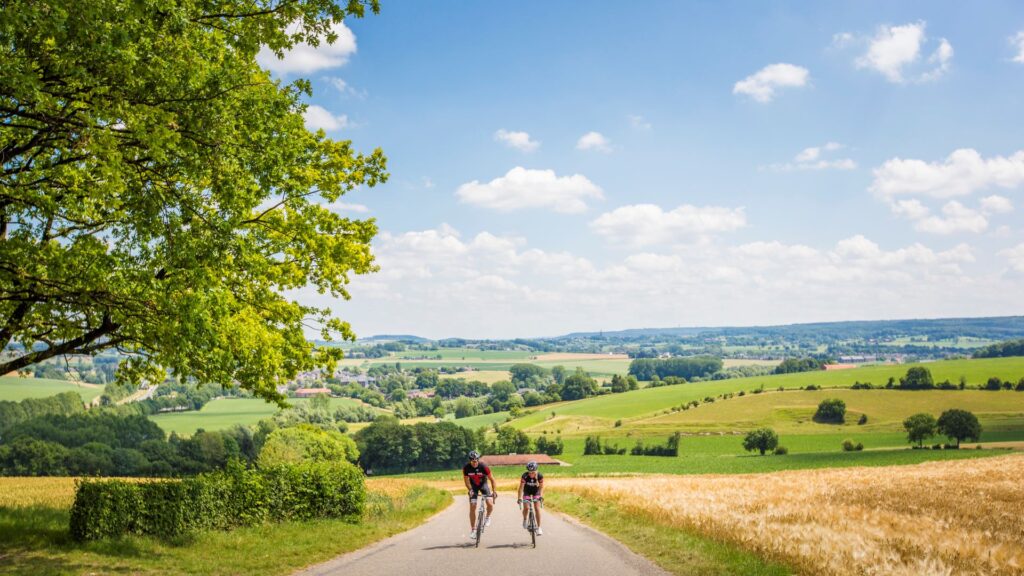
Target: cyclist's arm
(540, 488)
(494, 485)
(465, 479)
(519, 495)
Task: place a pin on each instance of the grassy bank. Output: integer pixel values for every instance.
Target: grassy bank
(34, 535)
(677, 550)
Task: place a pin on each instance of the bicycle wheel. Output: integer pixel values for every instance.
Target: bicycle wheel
(480, 522)
(533, 527)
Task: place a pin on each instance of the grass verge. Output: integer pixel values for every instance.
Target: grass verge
(674, 549)
(34, 540)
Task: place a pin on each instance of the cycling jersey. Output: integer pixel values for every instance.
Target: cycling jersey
(531, 486)
(477, 475)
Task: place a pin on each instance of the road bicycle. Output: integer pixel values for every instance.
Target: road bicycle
(481, 519)
(531, 516)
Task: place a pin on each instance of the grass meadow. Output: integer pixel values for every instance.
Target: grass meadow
(16, 388)
(34, 539)
(224, 413)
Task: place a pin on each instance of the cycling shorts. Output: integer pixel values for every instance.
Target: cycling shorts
(474, 492)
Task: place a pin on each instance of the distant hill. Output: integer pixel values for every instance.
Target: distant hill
(995, 328)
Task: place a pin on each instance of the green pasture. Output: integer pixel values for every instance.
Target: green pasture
(16, 388)
(599, 411)
(226, 412)
(456, 354)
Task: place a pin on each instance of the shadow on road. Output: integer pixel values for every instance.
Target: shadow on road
(449, 546)
(514, 546)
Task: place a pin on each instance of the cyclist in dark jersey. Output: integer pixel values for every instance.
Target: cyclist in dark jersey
(479, 480)
(531, 485)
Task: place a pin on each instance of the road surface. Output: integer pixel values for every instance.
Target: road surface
(441, 547)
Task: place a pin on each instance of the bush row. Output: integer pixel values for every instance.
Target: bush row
(222, 500)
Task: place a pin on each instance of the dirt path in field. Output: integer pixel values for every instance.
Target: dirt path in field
(441, 546)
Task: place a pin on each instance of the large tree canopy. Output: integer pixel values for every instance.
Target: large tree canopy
(159, 192)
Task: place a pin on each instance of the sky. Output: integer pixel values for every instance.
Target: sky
(583, 166)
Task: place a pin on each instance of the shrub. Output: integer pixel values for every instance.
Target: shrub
(831, 410)
(812, 387)
(862, 420)
(858, 385)
(671, 448)
(220, 500)
(1020, 386)
(781, 450)
(618, 423)
(848, 445)
(994, 383)
(307, 443)
(952, 447)
(936, 446)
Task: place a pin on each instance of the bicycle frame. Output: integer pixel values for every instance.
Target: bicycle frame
(481, 516)
(531, 516)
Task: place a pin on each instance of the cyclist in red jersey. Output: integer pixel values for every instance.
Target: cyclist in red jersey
(479, 480)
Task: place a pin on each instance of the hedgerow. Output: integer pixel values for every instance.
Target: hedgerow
(220, 500)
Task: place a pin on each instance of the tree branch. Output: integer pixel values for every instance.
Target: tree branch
(68, 347)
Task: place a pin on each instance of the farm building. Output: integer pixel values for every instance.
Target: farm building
(519, 460)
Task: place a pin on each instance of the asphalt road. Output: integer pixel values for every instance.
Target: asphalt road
(440, 546)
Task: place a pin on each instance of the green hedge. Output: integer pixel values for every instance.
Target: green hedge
(220, 500)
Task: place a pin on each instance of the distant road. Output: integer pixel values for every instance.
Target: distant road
(440, 547)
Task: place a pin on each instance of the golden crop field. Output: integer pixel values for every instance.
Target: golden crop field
(955, 517)
(24, 492)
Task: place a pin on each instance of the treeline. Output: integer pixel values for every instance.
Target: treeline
(388, 446)
(793, 365)
(688, 368)
(593, 446)
(107, 443)
(1001, 350)
(14, 413)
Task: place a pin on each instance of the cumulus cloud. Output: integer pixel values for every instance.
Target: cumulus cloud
(1018, 43)
(762, 85)
(304, 58)
(1015, 257)
(319, 118)
(647, 224)
(340, 207)
(517, 140)
(895, 52)
(522, 188)
(344, 88)
(955, 218)
(594, 141)
(817, 158)
(963, 172)
(996, 205)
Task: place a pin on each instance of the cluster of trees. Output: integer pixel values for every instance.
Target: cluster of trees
(14, 413)
(670, 448)
(791, 365)
(688, 368)
(386, 445)
(954, 424)
(592, 446)
(109, 443)
(1001, 349)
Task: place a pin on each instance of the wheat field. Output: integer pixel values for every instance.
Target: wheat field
(956, 517)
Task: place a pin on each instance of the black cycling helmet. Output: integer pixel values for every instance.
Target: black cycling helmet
(473, 455)
(531, 466)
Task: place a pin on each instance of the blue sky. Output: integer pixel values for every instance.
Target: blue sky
(569, 166)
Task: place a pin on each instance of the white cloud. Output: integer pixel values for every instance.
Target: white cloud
(996, 205)
(1015, 256)
(894, 49)
(646, 224)
(339, 207)
(345, 88)
(761, 86)
(812, 159)
(956, 218)
(963, 172)
(1018, 43)
(639, 122)
(521, 188)
(427, 182)
(842, 39)
(517, 140)
(319, 118)
(593, 141)
(912, 208)
(304, 59)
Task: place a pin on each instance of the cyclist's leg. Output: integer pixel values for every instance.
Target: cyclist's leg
(472, 510)
(489, 499)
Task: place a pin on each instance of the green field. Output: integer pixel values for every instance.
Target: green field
(15, 388)
(599, 412)
(226, 412)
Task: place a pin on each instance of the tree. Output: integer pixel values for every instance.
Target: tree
(559, 374)
(522, 373)
(791, 365)
(959, 424)
(762, 440)
(512, 441)
(305, 443)
(831, 410)
(919, 427)
(579, 385)
(619, 384)
(917, 378)
(160, 194)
